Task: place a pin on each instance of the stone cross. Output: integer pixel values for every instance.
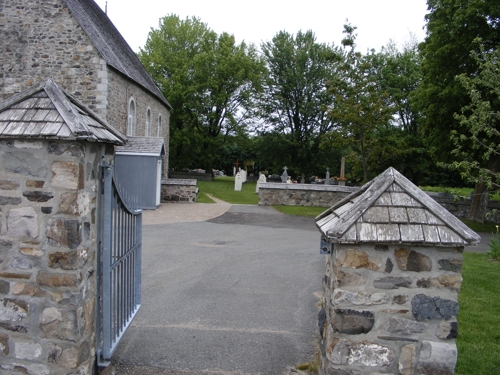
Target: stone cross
(284, 176)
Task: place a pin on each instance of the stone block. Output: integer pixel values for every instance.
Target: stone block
(22, 263)
(46, 210)
(358, 298)
(65, 298)
(28, 290)
(59, 324)
(4, 343)
(60, 148)
(5, 245)
(407, 360)
(10, 201)
(22, 222)
(68, 357)
(37, 184)
(426, 307)
(38, 196)
(447, 330)
(412, 261)
(61, 232)
(13, 310)
(404, 326)
(392, 282)
(453, 265)
(4, 287)
(352, 322)
(388, 265)
(437, 358)
(31, 251)
(67, 175)
(354, 353)
(400, 299)
(25, 163)
(8, 185)
(453, 282)
(13, 327)
(57, 280)
(65, 260)
(353, 258)
(68, 204)
(350, 279)
(27, 350)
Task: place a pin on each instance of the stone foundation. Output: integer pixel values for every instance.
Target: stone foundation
(271, 194)
(177, 191)
(47, 256)
(390, 309)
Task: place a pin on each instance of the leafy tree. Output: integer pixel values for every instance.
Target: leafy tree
(452, 28)
(361, 108)
(477, 143)
(295, 100)
(209, 80)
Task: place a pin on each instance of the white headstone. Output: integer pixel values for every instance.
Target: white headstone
(284, 176)
(262, 179)
(237, 182)
(243, 175)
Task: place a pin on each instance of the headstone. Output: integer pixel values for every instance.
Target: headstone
(243, 175)
(327, 177)
(237, 182)
(284, 176)
(303, 179)
(342, 173)
(234, 171)
(262, 179)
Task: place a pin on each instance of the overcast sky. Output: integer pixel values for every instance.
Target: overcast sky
(255, 21)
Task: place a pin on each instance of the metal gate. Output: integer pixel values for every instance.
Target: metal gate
(119, 254)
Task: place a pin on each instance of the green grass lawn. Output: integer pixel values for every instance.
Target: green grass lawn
(461, 192)
(223, 189)
(478, 320)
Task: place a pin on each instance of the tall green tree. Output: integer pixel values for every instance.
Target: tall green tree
(361, 109)
(210, 81)
(452, 28)
(295, 101)
(477, 143)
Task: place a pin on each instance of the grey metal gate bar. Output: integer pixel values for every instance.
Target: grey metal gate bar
(119, 266)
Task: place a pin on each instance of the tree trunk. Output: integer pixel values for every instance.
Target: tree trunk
(479, 204)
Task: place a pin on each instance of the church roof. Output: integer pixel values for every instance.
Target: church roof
(147, 146)
(111, 45)
(47, 111)
(391, 209)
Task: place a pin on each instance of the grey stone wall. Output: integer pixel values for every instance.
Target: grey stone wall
(121, 89)
(301, 194)
(40, 40)
(177, 191)
(390, 309)
(47, 256)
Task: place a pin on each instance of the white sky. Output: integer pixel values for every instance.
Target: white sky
(255, 21)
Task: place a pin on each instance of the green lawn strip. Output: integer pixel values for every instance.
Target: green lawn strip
(204, 198)
(223, 188)
(462, 192)
(480, 227)
(301, 210)
(478, 323)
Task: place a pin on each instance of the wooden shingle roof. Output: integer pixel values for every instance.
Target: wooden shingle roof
(111, 44)
(391, 209)
(142, 146)
(46, 111)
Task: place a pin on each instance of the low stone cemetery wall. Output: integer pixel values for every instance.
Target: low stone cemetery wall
(390, 309)
(179, 190)
(48, 256)
(301, 194)
(190, 176)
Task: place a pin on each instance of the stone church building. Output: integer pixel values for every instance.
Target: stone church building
(74, 43)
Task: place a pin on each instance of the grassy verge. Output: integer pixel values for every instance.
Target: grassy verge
(478, 324)
(223, 188)
(480, 227)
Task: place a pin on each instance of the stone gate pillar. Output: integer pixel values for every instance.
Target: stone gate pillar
(49, 174)
(393, 272)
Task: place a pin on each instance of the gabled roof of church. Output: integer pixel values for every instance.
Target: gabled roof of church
(111, 44)
(391, 209)
(47, 111)
(146, 146)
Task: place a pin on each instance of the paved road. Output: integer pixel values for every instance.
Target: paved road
(226, 290)
(232, 294)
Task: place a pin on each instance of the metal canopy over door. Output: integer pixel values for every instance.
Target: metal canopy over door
(119, 266)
